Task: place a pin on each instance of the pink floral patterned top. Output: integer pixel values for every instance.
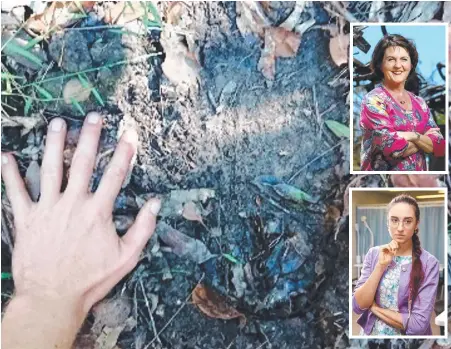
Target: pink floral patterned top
(381, 116)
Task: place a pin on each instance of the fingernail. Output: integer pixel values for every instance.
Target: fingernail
(130, 136)
(56, 125)
(155, 206)
(93, 118)
(4, 160)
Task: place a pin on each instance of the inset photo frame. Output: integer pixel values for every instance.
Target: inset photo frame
(398, 263)
(399, 98)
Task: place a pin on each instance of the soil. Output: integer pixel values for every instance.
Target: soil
(219, 124)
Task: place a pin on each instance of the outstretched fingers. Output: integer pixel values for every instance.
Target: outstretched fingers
(116, 171)
(142, 229)
(52, 162)
(15, 187)
(85, 155)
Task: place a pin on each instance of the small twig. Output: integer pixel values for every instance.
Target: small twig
(264, 343)
(231, 343)
(176, 313)
(318, 117)
(312, 161)
(344, 12)
(327, 110)
(154, 328)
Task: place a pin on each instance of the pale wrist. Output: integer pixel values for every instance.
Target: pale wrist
(414, 136)
(67, 311)
(48, 323)
(381, 267)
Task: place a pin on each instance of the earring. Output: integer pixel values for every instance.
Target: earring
(416, 231)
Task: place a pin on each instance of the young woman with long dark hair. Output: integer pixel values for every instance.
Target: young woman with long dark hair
(396, 290)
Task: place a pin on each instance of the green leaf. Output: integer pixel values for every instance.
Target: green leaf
(30, 44)
(98, 96)
(80, 7)
(6, 276)
(289, 192)
(28, 104)
(77, 106)
(7, 76)
(8, 86)
(76, 16)
(338, 129)
(231, 258)
(13, 48)
(155, 14)
(43, 92)
(84, 81)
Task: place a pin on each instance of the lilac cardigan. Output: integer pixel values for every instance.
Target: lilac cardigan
(422, 308)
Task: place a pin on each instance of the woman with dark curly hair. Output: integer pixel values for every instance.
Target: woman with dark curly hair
(397, 126)
(396, 291)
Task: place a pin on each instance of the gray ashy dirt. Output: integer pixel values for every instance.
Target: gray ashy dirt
(221, 133)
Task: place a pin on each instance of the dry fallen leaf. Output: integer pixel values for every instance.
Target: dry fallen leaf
(111, 313)
(183, 245)
(181, 65)
(287, 42)
(174, 12)
(279, 42)
(213, 304)
(191, 212)
(251, 18)
(267, 62)
(59, 13)
(126, 11)
(338, 47)
(74, 90)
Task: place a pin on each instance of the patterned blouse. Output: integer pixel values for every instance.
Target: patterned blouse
(388, 289)
(381, 116)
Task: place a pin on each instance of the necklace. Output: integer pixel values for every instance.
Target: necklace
(401, 100)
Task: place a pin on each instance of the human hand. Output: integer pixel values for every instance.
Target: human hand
(433, 130)
(387, 252)
(373, 306)
(66, 246)
(408, 136)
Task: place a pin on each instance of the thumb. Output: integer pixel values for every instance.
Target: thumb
(143, 227)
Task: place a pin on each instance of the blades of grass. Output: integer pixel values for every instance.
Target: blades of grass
(13, 48)
(6, 276)
(80, 7)
(28, 104)
(147, 22)
(123, 32)
(155, 14)
(90, 70)
(43, 92)
(85, 83)
(145, 18)
(97, 96)
(231, 258)
(76, 16)
(6, 76)
(77, 106)
(8, 86)
(30, 44)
